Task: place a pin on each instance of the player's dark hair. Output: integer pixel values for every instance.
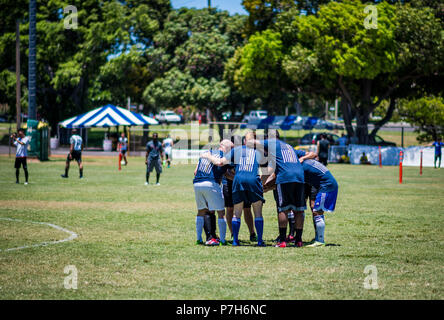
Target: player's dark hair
(21, 130)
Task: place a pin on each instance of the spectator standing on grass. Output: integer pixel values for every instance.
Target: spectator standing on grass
(438, 152)
(21, 142)
(154, 158)
(322, 149)
(75, 153)
(123, 147)
(167, 145)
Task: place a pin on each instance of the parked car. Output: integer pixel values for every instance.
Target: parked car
(255, 115)
(228, 116)
(168, 117)
(314, 137)
(377, 141)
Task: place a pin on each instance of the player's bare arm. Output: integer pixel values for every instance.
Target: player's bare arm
(215, 160)
(308, 155)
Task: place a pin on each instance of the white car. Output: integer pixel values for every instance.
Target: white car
(256, 115)
(168, 117)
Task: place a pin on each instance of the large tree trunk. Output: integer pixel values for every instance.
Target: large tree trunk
(348, 116)
(362, 126)
(384, 120)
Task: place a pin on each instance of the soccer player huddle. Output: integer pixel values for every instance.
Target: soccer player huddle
(249, 167)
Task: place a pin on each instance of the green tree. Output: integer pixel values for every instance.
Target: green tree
(332, 53)
(427, 113)
(188, 61)
(70, 61)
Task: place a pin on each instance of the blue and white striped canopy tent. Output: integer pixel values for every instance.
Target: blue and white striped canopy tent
(108, 116)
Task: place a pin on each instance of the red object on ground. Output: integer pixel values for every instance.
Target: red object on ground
(401, 155)
(420, 164)
(380, 157)
(120, 161)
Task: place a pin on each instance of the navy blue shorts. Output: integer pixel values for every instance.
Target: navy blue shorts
(326, 201)
(247, 196)
(154, 163)
(228, 196)
(75, 155)
(291, 196)
(20, 161)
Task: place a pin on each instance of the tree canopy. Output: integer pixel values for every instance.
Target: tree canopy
(332, 54)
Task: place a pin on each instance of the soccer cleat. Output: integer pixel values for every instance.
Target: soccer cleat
(147, 183)
(80, 177)
(17, 182)
(235, 244)
(158, 184)
(63, 176)
(316, 244)
(290, 239)
(299, 244)
(253, 237)
(282, 244)
(26, 183)
(261, 244)
(277, 239)
(212, 242)
(223, 243)
(199, 242)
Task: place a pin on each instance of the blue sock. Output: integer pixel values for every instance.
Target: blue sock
(199, 227)
(320, 227)
(259, 224)
(235, 223)
(222, 228)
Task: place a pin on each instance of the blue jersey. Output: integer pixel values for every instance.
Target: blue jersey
(318, 176)
(438, 146)
(286, 160)
(207, 171)
(246, 162)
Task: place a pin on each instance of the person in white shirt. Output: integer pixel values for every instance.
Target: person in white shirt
(168, 147)
(75, 153)
(123, 147)
(21, 142)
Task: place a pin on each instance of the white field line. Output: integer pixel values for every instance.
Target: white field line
(72, 235)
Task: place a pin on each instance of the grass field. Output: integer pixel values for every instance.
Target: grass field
(137, 242)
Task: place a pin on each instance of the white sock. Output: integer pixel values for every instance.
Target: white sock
(199, 227)
(320, 227)
(222, 228)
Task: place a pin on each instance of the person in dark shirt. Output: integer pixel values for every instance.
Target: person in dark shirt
(154, 158)
(322, 150)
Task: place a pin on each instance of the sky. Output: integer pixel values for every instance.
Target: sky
(232, 6)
